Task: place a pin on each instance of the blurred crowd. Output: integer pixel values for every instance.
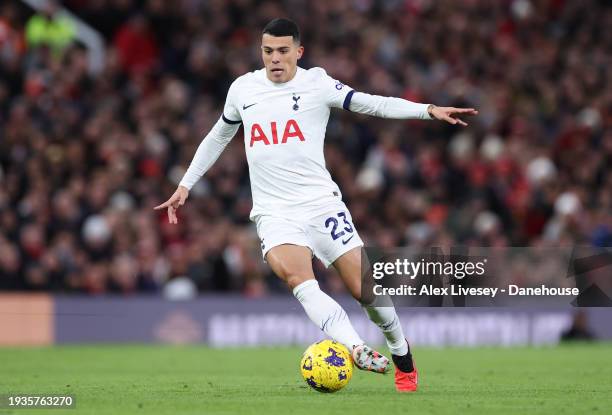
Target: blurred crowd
(85, 155)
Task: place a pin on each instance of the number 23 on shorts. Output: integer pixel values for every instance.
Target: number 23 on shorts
(347, 227)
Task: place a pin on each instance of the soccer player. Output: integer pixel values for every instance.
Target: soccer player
(297, 207)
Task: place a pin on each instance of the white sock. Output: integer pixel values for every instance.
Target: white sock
(327, 314)
(386, 318)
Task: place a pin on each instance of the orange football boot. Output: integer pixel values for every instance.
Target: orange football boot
(406, 382)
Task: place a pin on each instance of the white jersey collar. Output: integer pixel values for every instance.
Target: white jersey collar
(294, 80)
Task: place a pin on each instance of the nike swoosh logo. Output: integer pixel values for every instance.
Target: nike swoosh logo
(247, 106)
(347, 241)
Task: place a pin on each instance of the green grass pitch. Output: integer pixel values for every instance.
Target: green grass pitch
(134, 379)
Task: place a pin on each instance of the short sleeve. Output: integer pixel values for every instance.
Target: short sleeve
(335, 93)
(231, 115)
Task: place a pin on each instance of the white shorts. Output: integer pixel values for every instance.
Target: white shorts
(329, 233)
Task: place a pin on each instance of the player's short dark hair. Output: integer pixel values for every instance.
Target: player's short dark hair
(283, 27)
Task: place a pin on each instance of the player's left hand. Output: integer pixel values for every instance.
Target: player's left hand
(449, 114)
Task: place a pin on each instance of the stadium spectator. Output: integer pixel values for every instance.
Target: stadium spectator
(136, 45)
(50, 29)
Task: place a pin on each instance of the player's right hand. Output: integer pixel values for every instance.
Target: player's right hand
(176, 200)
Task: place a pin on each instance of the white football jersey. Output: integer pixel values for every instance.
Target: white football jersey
(284, 132)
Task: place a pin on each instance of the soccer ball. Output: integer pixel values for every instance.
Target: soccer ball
(327, 366)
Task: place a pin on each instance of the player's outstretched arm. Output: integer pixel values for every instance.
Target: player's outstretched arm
(398, 108)
(207, 153)
(177, 200)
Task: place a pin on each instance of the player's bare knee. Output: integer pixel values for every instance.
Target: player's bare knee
(294, 280)
(289, 274)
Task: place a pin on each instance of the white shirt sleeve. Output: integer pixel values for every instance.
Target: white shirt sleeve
(215, 141)
(231, 114)
(338, 95)
(209, 150)
(335, 93)
(387, 107)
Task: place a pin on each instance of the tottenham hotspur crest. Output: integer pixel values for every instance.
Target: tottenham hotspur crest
(296, 106)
